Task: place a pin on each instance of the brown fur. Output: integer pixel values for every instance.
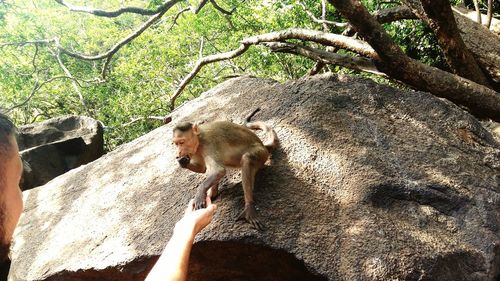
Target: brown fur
(211, 147)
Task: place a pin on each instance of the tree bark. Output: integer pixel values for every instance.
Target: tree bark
(355, 63)
(480, 100)
(327, 39)
(437, 14)
(394, 14)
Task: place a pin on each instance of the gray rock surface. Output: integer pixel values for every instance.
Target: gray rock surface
(53, 147)
(369, 183)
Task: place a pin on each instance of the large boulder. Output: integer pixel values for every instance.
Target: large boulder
(55, 146)
(369, 183)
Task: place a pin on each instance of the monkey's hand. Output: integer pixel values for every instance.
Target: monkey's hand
(184, 161)
(250, 215)
(200, 200)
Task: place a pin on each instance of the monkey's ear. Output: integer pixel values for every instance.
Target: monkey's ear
(196, 130)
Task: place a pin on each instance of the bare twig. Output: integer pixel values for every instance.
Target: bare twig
(111, 14)
(319, 65)
(323, 15)
(37, 86)
(176, 17)
(33, 60)
(478, 11)
(75, 85)
(200, 6)
(322, 21)
(220, 9)
(489, 15)
(202, 45)
(134, 120)
(200, 63)
(34, 42)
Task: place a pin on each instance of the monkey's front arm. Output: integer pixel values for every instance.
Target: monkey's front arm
(214, 175)
(192, 164)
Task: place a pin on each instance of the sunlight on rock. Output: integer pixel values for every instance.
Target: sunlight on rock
(375, 268)
(356, 228)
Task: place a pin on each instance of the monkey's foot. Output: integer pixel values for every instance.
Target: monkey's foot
(250, 215)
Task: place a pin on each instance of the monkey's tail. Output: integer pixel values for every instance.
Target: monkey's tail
(249, 117)
(271, 141)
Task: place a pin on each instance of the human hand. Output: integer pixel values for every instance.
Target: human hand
(195, 220)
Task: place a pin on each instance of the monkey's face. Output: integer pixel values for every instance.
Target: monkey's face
(187, 144)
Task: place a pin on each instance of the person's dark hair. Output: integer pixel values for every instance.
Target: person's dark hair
(7, 128)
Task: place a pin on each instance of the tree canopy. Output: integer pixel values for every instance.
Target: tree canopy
(128, 63)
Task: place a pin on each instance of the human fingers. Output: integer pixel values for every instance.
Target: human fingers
(208, 200)
(190, 207)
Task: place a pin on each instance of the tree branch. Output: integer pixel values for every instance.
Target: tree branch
(489, 14)
(318, 66)
(478, 11)
(323, 38)
(322, 21)
(74, 84)
(327, 39)
(481, 100)
(323, 15)
(220, 9)
(33, 60)
(34, 42)
(176, 17)
(355, 63)
(200, 6)
(394, 14)
(134, 120)
(112, 14)
(200, 63)
(122, 42)
(109, 54)
(439, 16)
(37, 86)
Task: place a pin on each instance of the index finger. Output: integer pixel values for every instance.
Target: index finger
(208, 200)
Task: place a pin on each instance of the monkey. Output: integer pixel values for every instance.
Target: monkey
(211, 147)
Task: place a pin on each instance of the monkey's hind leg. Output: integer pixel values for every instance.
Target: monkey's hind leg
(249, 169)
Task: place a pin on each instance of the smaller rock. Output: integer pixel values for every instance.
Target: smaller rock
(55, 146)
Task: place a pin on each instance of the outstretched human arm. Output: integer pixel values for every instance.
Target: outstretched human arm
(173, 262)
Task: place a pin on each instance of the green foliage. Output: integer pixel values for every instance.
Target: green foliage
(145, 73)
(417, 41)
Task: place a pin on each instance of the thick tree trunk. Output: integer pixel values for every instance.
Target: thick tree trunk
(480, 41)
(439, 17)
(481, 100)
